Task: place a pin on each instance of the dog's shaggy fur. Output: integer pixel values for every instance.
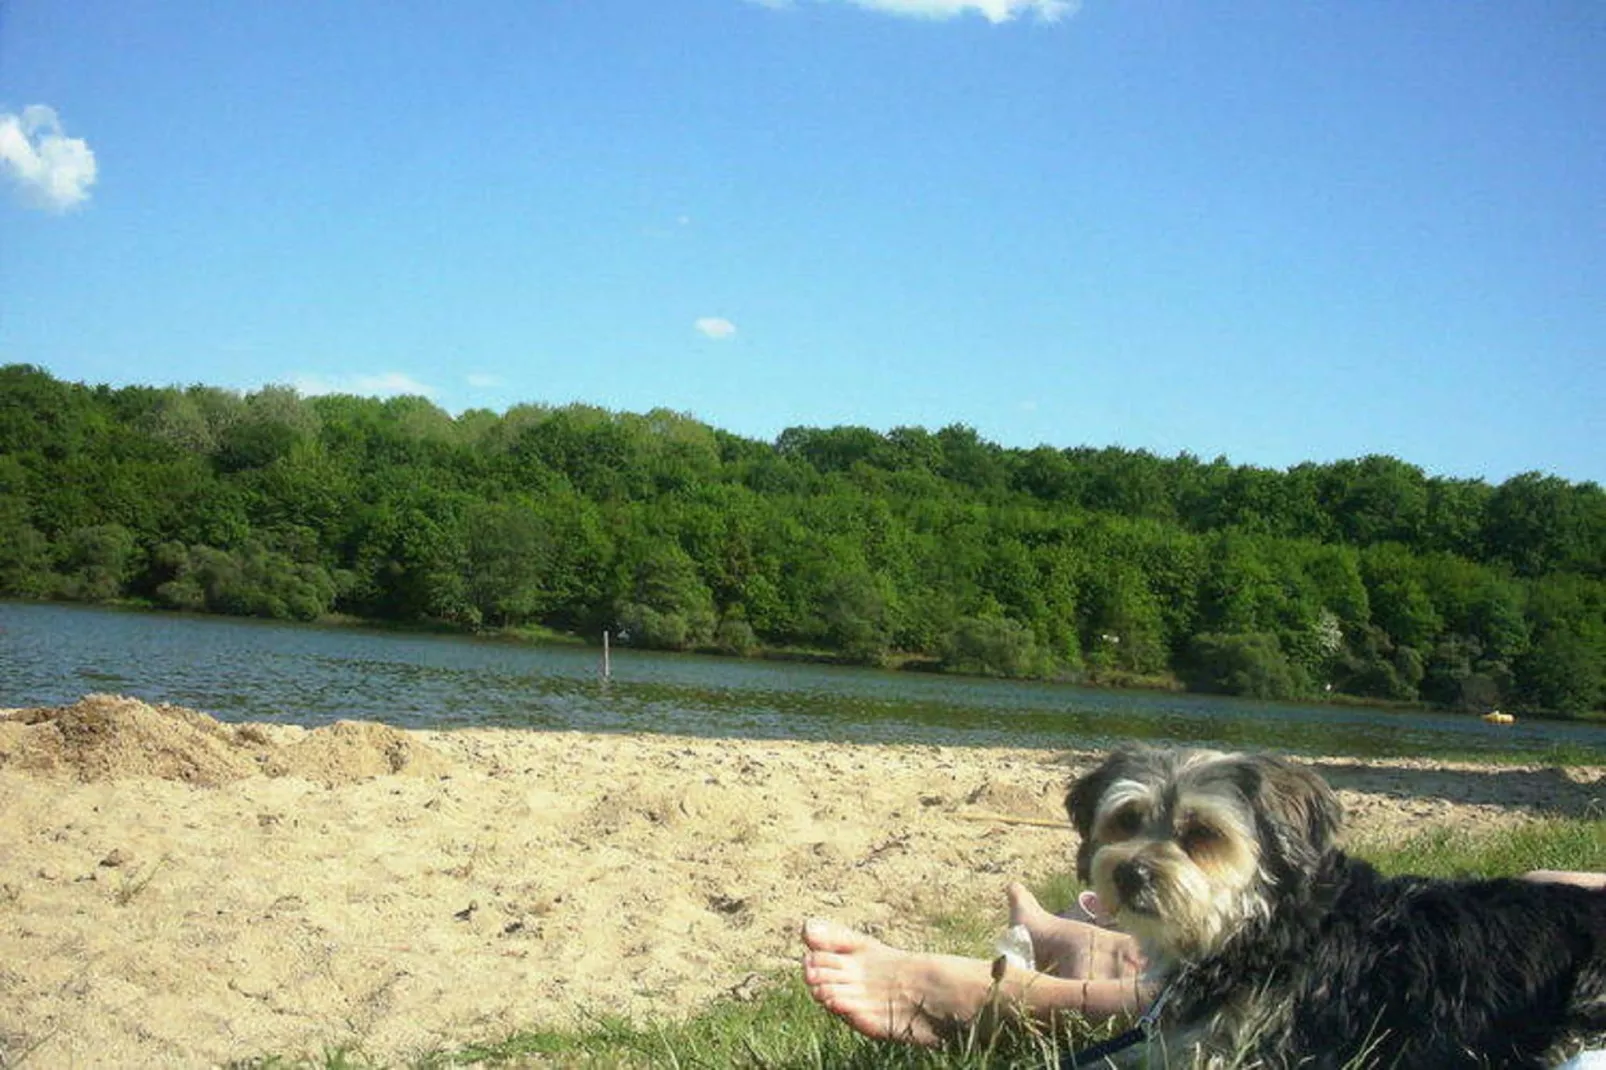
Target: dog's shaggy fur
(1282, 951)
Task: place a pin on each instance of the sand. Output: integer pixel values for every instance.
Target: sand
(176, 891)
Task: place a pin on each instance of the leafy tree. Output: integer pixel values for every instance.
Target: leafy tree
(1375, 666)
(835, 449)
(910, 449)
(50, 419)
(1565, 667)
(24, 556)
(1457, 674)
(1334, 573)
(1055, 627)
(409, 561)
(251, 582)
(1046, 474)
(275, 419)
(253, 444)
(1252, 665)
(992, 646)
(1365, 574)
(667, 606)
(1242, 592)
(854, 612)
(1123, 628)
(735, 636)
(969, 460)
(506, 547)
(1540, 524)
(1376, 499)
(1128, 482)
(180, 420)
(1454, 518)
(1564, 672)
(97, 562)
(1397, 592)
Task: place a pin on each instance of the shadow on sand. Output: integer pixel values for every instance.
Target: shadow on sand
(1554, 792)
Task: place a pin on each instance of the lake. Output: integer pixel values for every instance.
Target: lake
(239, 670)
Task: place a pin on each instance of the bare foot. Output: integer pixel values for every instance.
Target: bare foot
(889, 994)
(1567, 876)
(1066, 947)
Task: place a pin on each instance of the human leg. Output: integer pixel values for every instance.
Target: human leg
(1067, 947)
(890, 993)
(1567, 876)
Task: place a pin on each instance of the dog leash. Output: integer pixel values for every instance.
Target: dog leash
(1144, 1030)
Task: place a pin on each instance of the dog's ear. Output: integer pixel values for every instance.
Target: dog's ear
(1082, 801)
(1299, 813)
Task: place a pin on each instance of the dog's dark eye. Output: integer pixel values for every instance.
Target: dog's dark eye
(1124, 824)
(1196, 838)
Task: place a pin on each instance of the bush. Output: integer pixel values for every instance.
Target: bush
(1377, 668)
(654, 629)
(25, 563)
(1252, 665)
(98, 562)
(992, 646)
(1563, 672)
(735, 636)
(669, 607)
(853, 610)
(253, 582)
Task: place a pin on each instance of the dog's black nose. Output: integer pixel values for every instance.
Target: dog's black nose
(1132, 880)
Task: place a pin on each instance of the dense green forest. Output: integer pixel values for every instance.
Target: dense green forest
(1364, 577)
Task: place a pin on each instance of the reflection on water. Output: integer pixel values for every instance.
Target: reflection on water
(255, 670)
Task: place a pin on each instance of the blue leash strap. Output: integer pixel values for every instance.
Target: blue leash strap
(1148, 1021)
(1105, 1048)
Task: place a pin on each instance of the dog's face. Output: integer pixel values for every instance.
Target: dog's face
(1184, 847)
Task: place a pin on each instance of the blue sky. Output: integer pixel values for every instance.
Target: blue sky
(1278, 231)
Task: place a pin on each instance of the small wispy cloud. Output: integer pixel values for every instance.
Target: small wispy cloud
(383, 385)
(994, 11)
(52, 171)
(481, 381)
(716, 327)
(681, 223)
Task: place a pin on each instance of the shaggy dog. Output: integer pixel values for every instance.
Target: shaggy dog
(1275, 949)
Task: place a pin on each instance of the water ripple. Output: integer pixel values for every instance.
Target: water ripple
(298, 674)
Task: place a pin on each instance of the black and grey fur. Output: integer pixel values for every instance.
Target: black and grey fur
(1285, 952)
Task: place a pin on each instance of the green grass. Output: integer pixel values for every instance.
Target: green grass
(1561, 755)
(782, 1029)
(1549, 844)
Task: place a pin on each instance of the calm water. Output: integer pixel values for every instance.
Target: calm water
(299, 674)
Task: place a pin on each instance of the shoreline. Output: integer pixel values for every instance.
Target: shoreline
(178, 890)
(1108, 680)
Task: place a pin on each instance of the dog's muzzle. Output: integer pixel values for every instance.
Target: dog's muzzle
(1134, 884)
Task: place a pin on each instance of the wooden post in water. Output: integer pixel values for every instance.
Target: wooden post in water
(607, 667)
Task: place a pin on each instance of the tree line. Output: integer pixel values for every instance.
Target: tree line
(1366, 577)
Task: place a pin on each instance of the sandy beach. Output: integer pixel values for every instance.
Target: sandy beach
(176, 891)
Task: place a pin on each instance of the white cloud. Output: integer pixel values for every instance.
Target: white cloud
(52, 170)
(994, 11)
(384, 385)
(716, 327)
